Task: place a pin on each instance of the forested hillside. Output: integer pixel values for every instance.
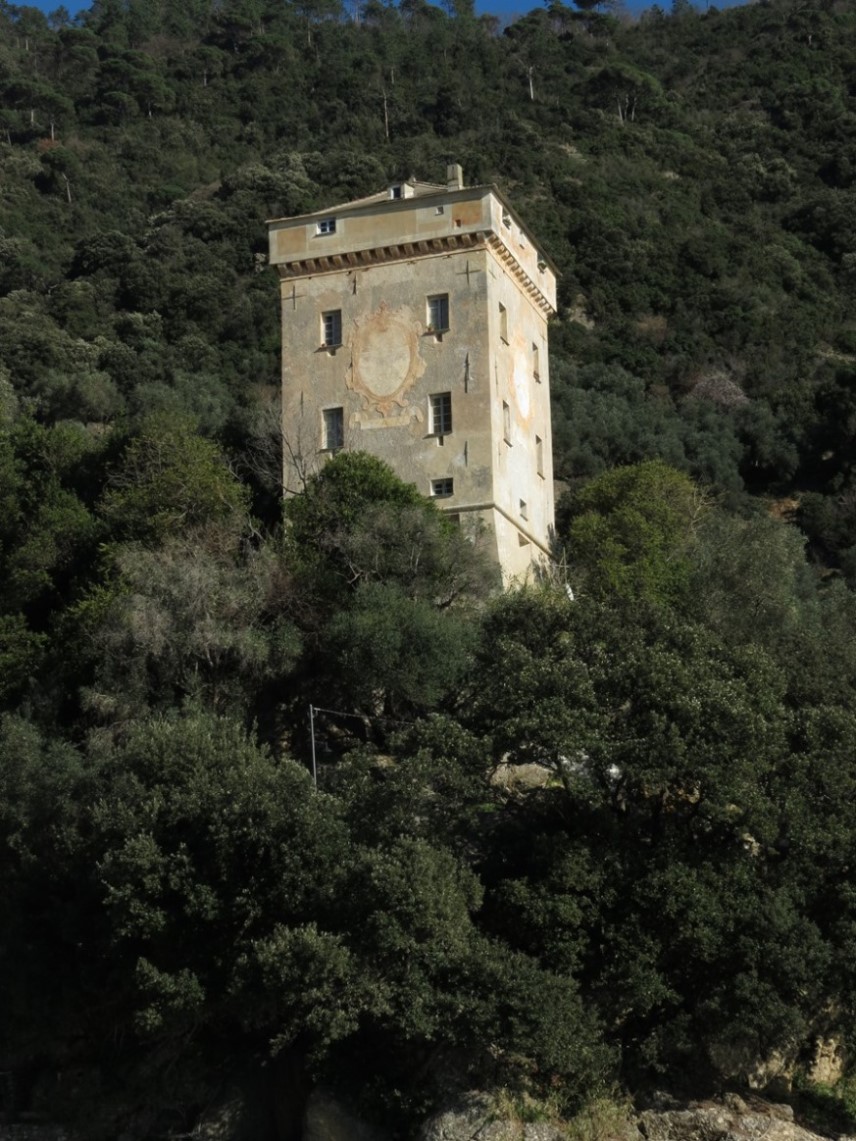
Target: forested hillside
(669, 897)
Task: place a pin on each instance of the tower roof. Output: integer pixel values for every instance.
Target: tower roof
(453, 190)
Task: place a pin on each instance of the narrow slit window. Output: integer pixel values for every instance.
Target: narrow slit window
(326, 226)
(506, 422)
(442, 488)
(503, 322)
(440, 414)
(331, 328)
(536, 362)
(539, 456)
(334, 429)
(438, 313)
(524, 510)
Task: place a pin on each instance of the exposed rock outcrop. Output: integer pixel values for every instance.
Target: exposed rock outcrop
(731, 1119)
(830, 1060)
(474, 1118)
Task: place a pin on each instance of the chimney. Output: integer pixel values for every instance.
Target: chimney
(454, 177)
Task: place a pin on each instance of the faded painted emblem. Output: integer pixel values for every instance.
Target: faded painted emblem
(385, 360)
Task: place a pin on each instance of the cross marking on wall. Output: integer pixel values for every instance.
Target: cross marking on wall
(293, 296)
(468, 271)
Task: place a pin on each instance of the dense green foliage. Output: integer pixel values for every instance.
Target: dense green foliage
(668, 892)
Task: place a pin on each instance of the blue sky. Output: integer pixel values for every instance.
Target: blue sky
(500, 7)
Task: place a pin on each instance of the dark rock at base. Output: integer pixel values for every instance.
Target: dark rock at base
(326, 1119)
(27, 1132)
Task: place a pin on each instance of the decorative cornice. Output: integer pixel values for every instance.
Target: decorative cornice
(380, 255)
(505, 255)
(409, 251)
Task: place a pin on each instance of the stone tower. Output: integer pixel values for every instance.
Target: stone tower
(414, 327)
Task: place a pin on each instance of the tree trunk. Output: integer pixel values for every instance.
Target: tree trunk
(291, 1088)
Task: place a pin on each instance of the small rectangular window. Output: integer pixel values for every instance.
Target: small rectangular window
(331, 328)
(334, 429)
(442, 488)
(524, 510)
(326, 226)
(438, 313)
(503, 322)
(395, 191)
(536, 362)
(539, 456)
(506, 422)
(439, 209)
(440, 414)
(506, 218)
